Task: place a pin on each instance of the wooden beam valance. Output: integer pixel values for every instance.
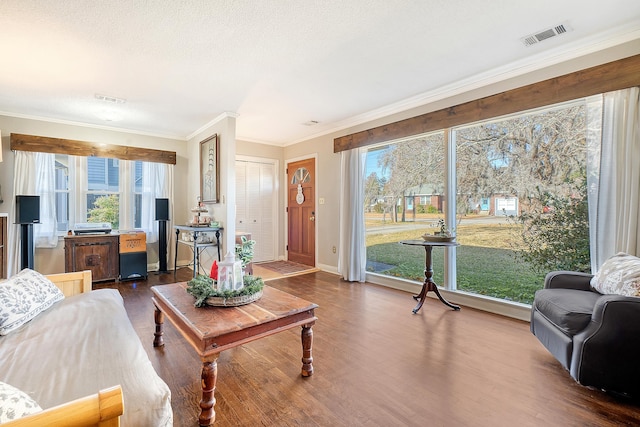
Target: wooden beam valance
(616, 75)
(43, 144)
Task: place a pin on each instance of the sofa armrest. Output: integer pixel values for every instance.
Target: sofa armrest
(568, 280)
(73, 283)
(101, 410)
(606, 353)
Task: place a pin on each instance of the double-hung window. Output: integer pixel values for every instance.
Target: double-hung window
(94, 189)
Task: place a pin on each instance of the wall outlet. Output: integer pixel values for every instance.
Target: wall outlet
(321, 200)
(333, 249)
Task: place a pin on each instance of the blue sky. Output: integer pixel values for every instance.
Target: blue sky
(371, 165)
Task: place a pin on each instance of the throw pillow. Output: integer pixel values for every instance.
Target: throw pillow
(23, 297)
(15, 403)
(618, 275)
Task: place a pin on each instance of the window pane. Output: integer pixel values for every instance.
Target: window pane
(104, 208)
(62, 191)
(137, 220)
(102, 174)
(62, 211)
(404, 198)
(511, 175)
(137, 180)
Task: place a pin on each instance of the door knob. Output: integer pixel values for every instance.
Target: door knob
(312, 218)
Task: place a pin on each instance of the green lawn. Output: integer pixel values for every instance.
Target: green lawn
(491, 271)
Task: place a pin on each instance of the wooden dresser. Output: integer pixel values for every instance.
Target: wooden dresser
(98, 253)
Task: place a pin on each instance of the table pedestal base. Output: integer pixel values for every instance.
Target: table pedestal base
(430, 286)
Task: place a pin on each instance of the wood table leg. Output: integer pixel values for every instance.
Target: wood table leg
(209, 378)
(420, 298)
(307, 344)
(158, 316)
(444, 301)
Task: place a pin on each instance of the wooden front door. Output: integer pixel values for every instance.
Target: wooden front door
(301, 212)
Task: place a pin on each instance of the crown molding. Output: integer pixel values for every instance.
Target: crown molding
(90, 125)
(222, 116)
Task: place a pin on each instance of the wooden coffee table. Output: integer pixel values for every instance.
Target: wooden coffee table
(211, 330)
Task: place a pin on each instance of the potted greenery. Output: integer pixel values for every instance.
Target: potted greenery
(244, 251)
(443, 230)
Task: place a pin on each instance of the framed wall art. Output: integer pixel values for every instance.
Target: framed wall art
(209, 170)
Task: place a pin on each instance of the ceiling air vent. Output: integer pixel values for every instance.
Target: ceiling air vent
(546, 34)
(111, 99)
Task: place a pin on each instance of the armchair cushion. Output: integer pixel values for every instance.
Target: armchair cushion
(568, 309)
(619, 275)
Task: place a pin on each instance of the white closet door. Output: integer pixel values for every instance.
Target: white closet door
(266, 252)
(255, 192)
(241, 195)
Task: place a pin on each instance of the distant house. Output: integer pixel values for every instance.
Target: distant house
(423, 198)
(428, 198)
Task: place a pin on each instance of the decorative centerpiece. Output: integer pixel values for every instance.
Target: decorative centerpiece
(227, 285)
(443, 234)
(204, 289)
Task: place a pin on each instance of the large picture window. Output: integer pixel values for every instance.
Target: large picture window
(519, 203)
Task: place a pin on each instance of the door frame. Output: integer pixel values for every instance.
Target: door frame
(318, 220)
(275, 196)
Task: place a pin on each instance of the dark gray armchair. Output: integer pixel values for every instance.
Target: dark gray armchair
(595, 337)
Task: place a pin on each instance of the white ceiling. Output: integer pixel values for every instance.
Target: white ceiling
(276, 63)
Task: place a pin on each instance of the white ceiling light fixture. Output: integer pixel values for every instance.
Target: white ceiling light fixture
(109, 113)
(545, 34)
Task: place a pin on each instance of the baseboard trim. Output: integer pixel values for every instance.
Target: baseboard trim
(480, 302)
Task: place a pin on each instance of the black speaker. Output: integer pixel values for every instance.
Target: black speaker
(162, 209)
(27, 245)
(27, 209)
(162, 215)
(133, 265)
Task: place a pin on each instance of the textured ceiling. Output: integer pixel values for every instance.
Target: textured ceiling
(276, 64)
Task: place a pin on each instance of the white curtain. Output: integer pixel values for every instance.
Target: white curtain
(157, 183)
(45, 232)
(614, 177)
(352, 260)
(33, 174)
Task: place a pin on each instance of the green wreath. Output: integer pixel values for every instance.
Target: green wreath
(202, 288)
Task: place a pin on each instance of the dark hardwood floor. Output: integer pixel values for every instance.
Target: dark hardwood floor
(377, 364)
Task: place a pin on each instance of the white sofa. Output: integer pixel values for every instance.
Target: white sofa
(78, 346)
